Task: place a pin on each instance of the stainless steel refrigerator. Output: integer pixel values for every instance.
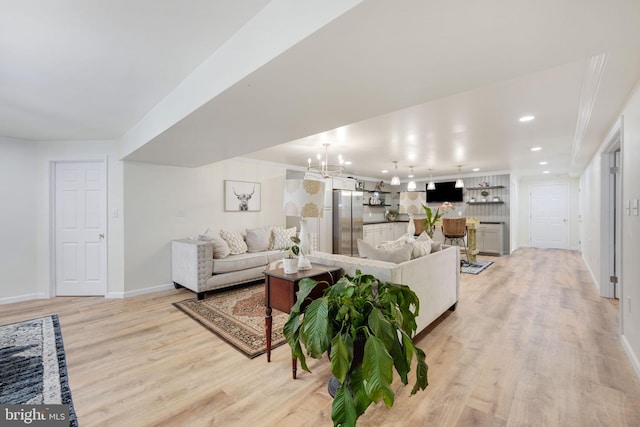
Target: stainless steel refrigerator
(347, 221)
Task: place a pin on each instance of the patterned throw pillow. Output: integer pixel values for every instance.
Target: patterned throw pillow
(282, 237)
(235, 240)
(394, 244)
(420, 249)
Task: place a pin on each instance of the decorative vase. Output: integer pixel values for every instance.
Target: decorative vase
(411, 227)
(290, 265)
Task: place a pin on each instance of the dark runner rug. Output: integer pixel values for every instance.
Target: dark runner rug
(33, 368)
(476, 267)
(237, 316)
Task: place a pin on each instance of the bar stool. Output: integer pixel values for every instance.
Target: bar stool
(455, 229)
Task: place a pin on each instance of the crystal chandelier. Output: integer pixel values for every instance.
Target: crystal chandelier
(395, 179)
(325, 169)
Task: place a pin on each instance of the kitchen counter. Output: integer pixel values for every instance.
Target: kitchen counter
(385, 222)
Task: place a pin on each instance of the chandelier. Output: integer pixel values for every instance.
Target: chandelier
(325, 169)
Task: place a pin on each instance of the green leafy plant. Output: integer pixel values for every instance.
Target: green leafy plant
(358, 309)
(294, 250)
(431, 219)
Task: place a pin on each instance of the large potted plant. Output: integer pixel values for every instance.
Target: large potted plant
(380, 316)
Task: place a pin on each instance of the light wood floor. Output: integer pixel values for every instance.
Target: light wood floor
(531, 344)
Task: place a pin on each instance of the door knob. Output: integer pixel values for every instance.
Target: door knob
(101, 235)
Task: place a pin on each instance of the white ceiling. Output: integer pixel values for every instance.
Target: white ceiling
(430, 84)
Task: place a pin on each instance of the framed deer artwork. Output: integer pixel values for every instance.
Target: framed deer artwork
(241, 196)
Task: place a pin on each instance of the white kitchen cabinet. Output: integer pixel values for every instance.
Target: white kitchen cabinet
(374, 234)
(489, 238)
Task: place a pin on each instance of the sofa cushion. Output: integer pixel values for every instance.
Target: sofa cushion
(258, 239)
(394, 244)
(424, 237)
(235, 240)
(420, 249)
(239, 262)
(401, 254)
(282, 237)
(220, 247)
(386, 271)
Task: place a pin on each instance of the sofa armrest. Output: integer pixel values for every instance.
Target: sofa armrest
(191, 263)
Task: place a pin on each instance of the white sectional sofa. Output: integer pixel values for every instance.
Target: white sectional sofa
(435, 278)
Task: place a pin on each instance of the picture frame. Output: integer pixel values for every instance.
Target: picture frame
(242, 196)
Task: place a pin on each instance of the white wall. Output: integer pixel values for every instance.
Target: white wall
(630, 298)
(163, 203)
(25, 189)
(17, 220)
(590, 226)
(522, 208)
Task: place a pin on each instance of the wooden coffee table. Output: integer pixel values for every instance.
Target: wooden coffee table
(280, 293)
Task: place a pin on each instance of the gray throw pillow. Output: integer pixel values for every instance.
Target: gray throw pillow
(258, 239)
(402, 254)
(220, 247)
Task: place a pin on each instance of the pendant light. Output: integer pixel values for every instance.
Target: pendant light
(431, 185)
(411, 186)
(395, 180)
(459, 181)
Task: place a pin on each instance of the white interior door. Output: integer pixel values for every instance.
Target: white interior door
(80, 228)
(549, 216)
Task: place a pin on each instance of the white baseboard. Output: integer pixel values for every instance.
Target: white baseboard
(137, 292)
(596, 283)
(20, 298)
(631, 354)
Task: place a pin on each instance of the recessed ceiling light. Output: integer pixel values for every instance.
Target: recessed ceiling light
(385, 171)
(347, 162)
(410, 176)
(545, 172)
(544, 163)
(476, 169)
(526, 118)
(536, 148)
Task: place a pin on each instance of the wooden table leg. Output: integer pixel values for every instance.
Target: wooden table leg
(294, 367)
(268, 320)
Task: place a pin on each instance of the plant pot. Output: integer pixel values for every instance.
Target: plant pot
(290, 265)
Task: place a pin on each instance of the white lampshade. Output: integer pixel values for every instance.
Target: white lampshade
(411, 202)
(459, 183)
(303, 198)
(411, 186)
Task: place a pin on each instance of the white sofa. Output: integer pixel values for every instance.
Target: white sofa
(435, 278)
(194, 267)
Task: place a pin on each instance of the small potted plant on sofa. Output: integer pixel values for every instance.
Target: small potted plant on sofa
(367, 326)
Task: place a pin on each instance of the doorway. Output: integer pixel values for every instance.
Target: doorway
(549, 216)
(79, 224)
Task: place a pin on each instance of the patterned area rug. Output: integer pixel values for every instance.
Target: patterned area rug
(33, 368)
(237, 316)
(476, 267)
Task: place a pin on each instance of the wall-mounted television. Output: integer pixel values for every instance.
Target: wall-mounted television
(444, 192)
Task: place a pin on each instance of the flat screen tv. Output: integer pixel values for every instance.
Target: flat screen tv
(444, 192)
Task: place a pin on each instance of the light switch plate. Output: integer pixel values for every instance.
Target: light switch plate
(628, 208)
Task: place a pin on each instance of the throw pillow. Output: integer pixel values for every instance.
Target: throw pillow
(424, 237)
(401, 254)
(420, 249)
(258, 239)
(394, 244)
(220, 247)
(282, 237)
(235, 240)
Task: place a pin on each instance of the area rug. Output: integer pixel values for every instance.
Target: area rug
(237, 316)
(476, 267)
(33, 368)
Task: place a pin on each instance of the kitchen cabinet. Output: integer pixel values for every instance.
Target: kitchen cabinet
(489, 238)
(374, 234)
